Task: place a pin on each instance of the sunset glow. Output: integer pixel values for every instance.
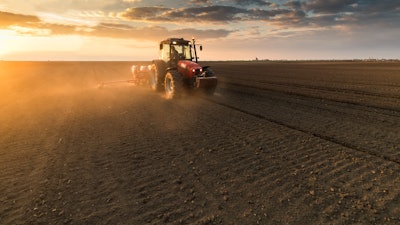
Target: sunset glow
(5, 40)
(131, 29)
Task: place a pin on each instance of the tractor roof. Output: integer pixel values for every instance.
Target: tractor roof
(175, 41)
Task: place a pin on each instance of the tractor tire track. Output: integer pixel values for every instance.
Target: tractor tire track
(305, 165)
(378, 126)
(318, 135)
(358, 112)
(337, 90)
(376, 104)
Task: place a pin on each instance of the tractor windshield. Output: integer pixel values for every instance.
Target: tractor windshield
(183, 51)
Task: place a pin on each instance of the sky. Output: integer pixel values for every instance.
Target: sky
(130, 30)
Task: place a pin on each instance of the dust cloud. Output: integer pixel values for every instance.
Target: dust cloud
(45, 92)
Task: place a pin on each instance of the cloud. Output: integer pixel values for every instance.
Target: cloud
(201, 34)
(201, 2)
(155, 33)
(198, 14)
(10, 19)
(215, 13)
(330, 6)
(293, 4)
(132, 1)
(292, 19)
(252, 2)
(206, 14)
(151, 21)
(32, 25)
(126, 32)
(383, 13)
(379, 6)
(354, 13)
(153, 13)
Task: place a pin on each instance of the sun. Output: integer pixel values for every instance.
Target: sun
(6, 39)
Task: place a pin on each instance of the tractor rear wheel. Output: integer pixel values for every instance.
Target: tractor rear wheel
(157, 75)
(173, 84)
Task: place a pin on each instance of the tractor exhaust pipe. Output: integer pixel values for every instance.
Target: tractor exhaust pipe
(195, 50)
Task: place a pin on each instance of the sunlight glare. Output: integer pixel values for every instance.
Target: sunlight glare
(36, 47)
(6, 38)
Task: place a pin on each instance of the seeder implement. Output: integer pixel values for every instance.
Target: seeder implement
(140, 76)
(102, 84)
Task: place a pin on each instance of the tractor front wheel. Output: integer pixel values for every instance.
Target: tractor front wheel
(173, 84)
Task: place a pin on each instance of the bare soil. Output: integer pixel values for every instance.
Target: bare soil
(278, 143)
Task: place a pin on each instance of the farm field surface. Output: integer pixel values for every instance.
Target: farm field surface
(278, 143)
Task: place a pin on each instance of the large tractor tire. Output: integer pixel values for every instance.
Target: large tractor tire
(157, 73)
(173, 84)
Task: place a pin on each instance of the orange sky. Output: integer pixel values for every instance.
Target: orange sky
(131, 29)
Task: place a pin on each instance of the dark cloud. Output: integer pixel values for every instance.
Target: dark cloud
(267, 15)
(201, 2)
(292, 19)
(145, 13)
(206, 14)
(198, 14)
(329, 6)
(252, 2)
(293, 4)
(292, 13)
(382, 6)
(357, 13)
(217, 13)
(9, 19)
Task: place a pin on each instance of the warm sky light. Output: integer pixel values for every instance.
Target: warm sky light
(237, 29)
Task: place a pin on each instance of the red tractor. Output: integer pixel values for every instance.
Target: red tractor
(178, 70)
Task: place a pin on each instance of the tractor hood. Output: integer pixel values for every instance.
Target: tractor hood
(189, 69)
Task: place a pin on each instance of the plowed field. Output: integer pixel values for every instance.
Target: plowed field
(278, 143)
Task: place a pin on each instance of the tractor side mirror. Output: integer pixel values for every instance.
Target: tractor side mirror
(161, 46)
(201, 47)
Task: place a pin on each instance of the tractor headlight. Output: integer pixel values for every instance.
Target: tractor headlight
(197, 71)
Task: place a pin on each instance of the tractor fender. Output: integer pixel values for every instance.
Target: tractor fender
(170, 68)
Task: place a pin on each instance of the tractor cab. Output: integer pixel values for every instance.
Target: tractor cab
(173, 50)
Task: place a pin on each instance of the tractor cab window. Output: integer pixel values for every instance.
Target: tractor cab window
(165, 48)
(181, 52)
(187, 52)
